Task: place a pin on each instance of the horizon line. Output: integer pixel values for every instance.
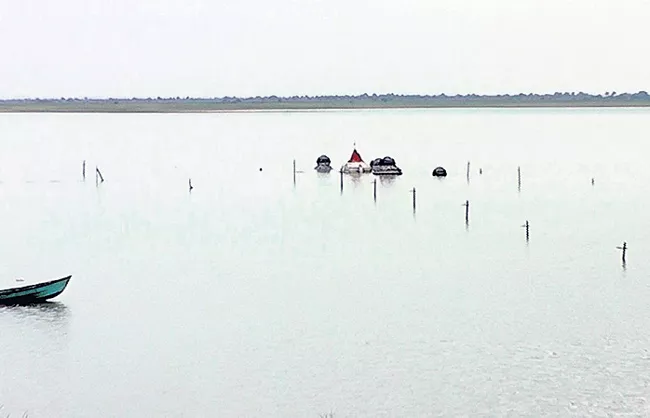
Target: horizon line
(607, 94)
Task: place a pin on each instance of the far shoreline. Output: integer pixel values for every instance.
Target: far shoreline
(364, 102)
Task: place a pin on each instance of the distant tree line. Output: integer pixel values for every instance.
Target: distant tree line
(380, 98)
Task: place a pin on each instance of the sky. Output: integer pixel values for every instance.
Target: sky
(216, 48)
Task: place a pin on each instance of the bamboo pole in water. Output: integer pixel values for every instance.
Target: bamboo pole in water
(527, 226)
(413, 191)
(98, 176)
(374, 190)
(624, 248)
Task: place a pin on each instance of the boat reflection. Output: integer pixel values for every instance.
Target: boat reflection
(35, 346)
(47, 315)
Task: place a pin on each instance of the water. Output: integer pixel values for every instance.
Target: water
(252, 297)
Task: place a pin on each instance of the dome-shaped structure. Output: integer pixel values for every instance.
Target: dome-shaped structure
(323, 164)
(323, 159)
(388, 161)
(385, 166)
(439, 172)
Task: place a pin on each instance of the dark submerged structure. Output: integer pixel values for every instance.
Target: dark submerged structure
(385, 167)
(323, 164)
(439, 172)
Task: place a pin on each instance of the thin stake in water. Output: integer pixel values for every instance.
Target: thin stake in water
(466, 204)
(98, 176)
(294, 172)
(527, 226)
(374, 190)
(468, 172)
(518, 179)
(624, 248)
(83, 170)
(341, 173)
(190, 184)
(413, 191)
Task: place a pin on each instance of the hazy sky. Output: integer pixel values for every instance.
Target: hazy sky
(124, 48)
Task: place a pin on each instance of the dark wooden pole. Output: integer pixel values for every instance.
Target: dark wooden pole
(518, 178)
(527, 226)
(624, 248)
(294, 172)
(83, 170)
(190, 184)
(374, 190)
(98, 176)
(413, 191)
(341, 175)
(468, 171)
(466, 212)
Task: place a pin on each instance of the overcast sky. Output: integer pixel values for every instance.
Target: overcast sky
(125, 48)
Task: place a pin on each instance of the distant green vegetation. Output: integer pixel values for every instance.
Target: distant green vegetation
(364, 101)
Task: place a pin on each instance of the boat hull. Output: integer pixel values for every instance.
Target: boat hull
(34, 293)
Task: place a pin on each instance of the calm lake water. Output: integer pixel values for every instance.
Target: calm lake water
(253, 297)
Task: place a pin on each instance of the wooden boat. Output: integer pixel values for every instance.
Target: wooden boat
(33, 293)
